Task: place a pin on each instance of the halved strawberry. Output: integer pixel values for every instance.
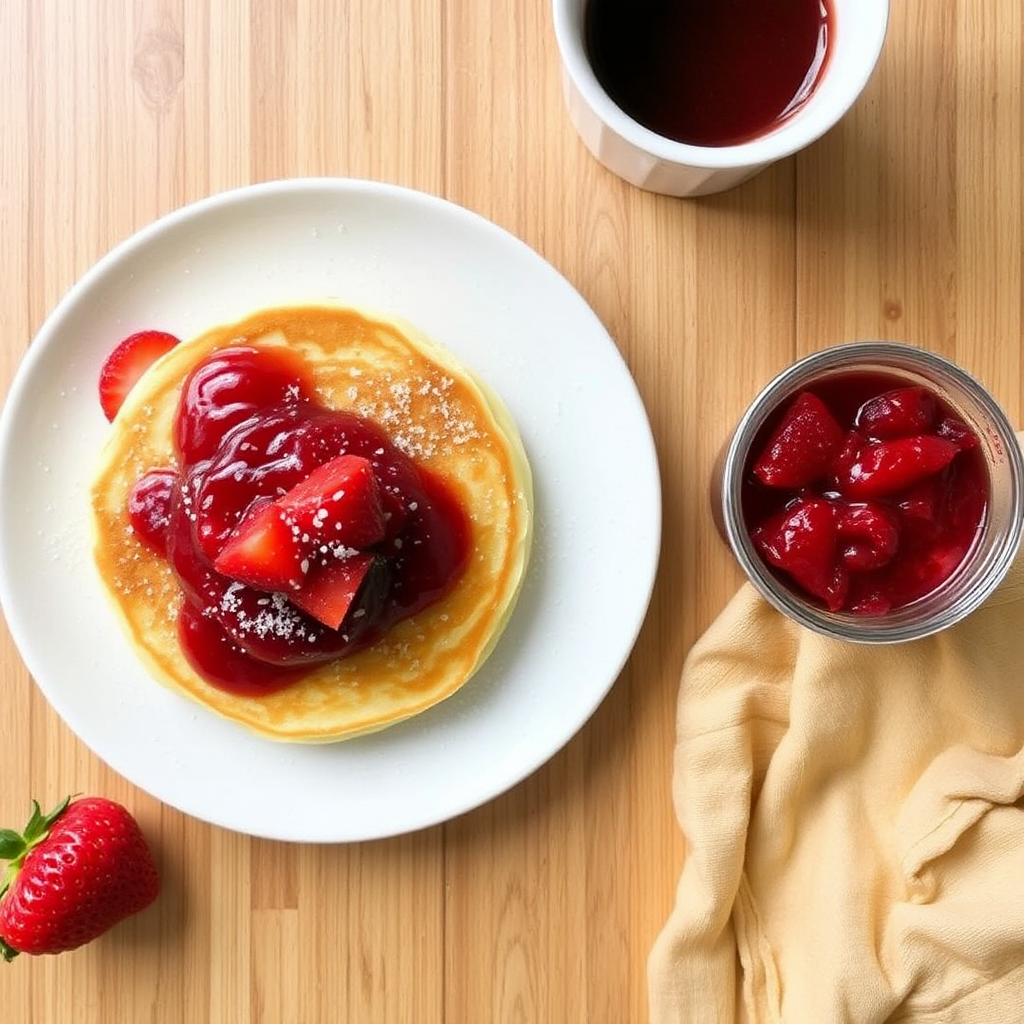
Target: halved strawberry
(338, 503)
(921, 509)
(328, 593)
(802, 540)
(801, 449)
(886, 467)
(264, 551)
(925, 569)
(869, 537)
(955, 430)
(848, 453)
(902, 412)
(920, 502)
(127, 363)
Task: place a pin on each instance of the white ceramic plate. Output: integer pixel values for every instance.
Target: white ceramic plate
(510, 317)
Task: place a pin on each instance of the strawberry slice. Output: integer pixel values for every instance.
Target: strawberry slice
(802, 447)
(127, 363)
(264, 551)
(802, 540)
(338, 503)
(328, 593)
(323, 522)
(902, 412)
(886, 467)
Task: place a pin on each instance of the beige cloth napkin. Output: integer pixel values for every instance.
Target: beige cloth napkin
(854, 825)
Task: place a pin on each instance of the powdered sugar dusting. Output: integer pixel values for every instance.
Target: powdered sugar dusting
(424, 415)
(275, 615)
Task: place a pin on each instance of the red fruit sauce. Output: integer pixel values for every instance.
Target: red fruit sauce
(708, 72)
(891, 548)
(250, 427)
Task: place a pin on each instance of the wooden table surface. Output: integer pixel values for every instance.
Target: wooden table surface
(905, 222)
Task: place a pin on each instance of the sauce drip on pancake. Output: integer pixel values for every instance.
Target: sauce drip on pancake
(248, 429)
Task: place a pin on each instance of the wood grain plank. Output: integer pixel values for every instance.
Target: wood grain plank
(275, 875)
(906, 221)
(989, 118)
(16, 173)
(877, 200)
(517, 886)
(21, 756)
(277, 975)
(219, 86)
(369, 943)
(150, 87)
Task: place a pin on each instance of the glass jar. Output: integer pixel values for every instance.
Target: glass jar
(999, 536)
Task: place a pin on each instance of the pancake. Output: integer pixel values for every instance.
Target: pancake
(451, 424)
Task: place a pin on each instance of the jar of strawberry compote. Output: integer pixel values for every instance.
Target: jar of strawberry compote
(873, 492)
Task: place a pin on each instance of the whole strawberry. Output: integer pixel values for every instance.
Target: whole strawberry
(74, 873)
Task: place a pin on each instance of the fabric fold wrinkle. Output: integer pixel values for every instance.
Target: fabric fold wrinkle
(853, 823)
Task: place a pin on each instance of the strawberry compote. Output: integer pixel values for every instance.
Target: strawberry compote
(864, 492)
(249, 430)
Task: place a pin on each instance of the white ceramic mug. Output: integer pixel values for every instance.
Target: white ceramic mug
(659, 164)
